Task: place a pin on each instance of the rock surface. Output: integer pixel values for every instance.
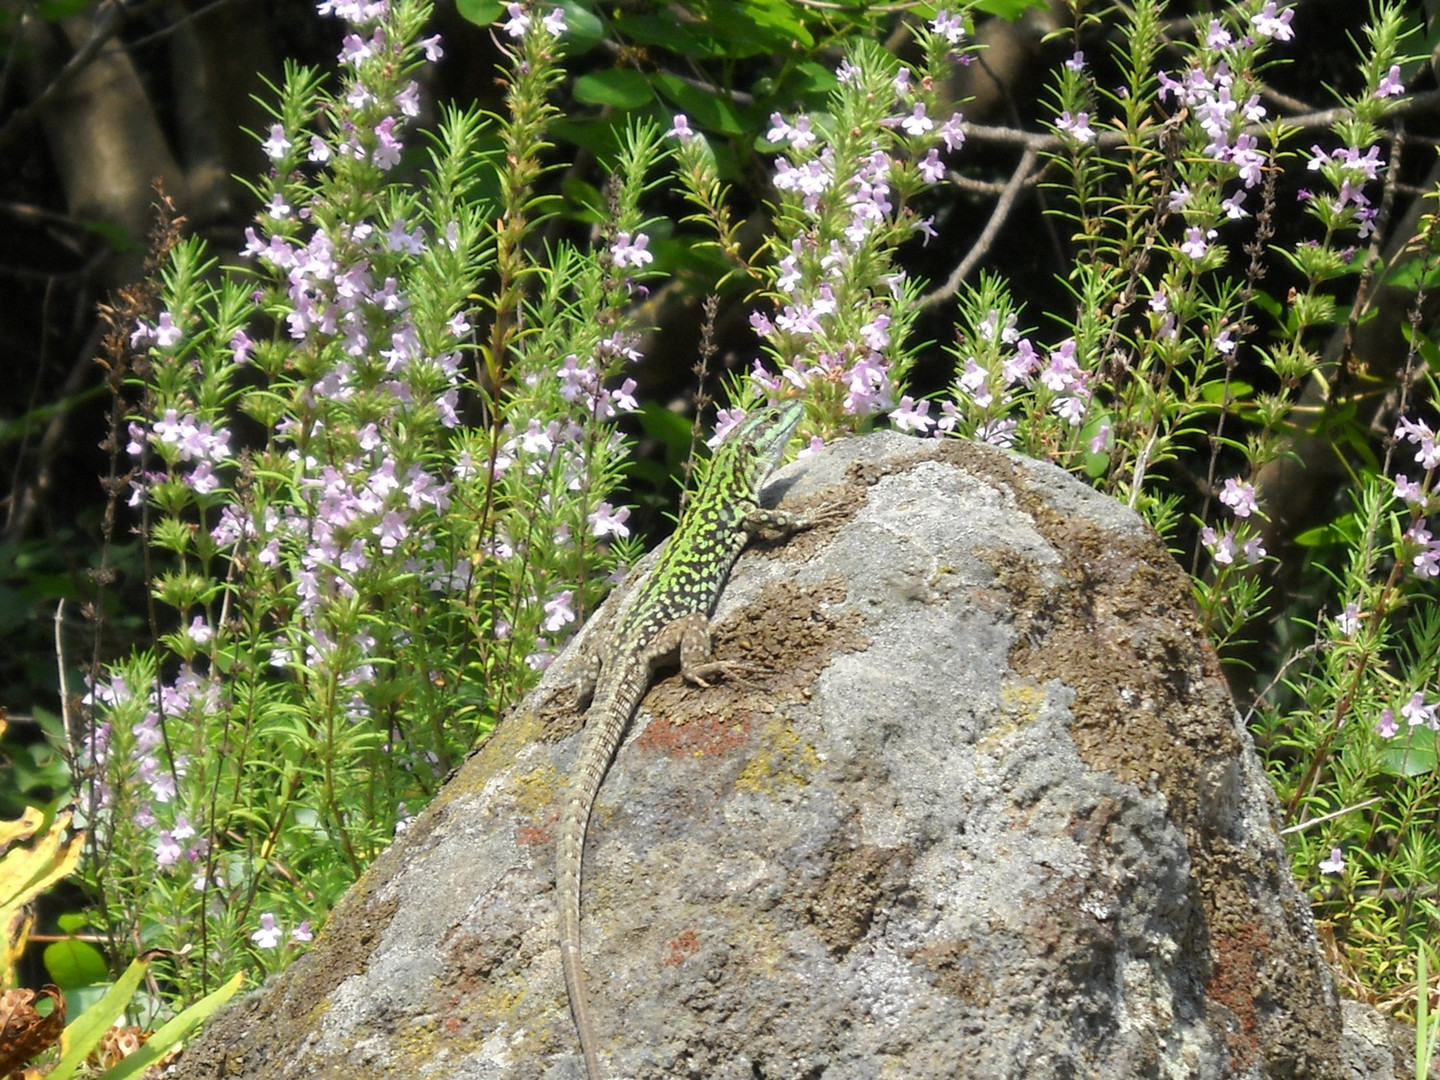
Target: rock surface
(982, 808)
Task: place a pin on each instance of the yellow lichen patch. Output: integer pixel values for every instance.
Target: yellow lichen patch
(1020, 704)
(535, 791)
(1023, 700)
(781, 760)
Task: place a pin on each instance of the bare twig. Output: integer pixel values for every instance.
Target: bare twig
(1020, 178)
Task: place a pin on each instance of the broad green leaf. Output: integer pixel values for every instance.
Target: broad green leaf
(74, 963)
(1415, 759)
(707, 110)
(1010, 9)
(1345, 529)
(480, 12)
(620, 88)
(583, 31)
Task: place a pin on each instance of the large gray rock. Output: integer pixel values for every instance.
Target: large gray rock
(982, 808)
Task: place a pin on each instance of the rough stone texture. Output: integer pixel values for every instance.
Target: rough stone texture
(982, 808)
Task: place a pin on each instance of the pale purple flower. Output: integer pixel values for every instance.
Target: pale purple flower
(608, 521)
(1070, 408)
(354, 50)
(408, 100)
(276, 145)
(1335, 864)
(917, 123)
(1197, 242)
(1270, 23)
(975, 381)
(431, 45)
(1417, 712)
(931, 168)
(798, 135)
(1217, 37)
(910, 416)
(1427, 560)
(1419, 433)
(1077, 127)
(952, 132)
(1386, 727)
(1222, 548)
(167, 850)
(1390, 85)
(623, 398)
(876, 333)
(392, 530)
(631, 253)
(1239, 496)
(387, 153)
(680, 128)
(1348, 621)
(1100, 441)
(269, 934)
(302, 933)
(519, 23)
(1062, 374)
(1409, 490)
(999, 432)
(554, 22)
(166, 332)
(948, 26)
(1076, 62)
(558, 611)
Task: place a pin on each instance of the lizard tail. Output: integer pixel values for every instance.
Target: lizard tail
(610, 712)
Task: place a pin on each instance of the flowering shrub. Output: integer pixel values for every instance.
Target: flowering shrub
(351, 597)
(378, 455)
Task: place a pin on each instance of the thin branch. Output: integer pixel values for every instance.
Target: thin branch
(1018, 179)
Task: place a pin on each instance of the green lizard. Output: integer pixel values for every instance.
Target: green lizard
(667, 613)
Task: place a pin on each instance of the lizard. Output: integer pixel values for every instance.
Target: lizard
(667, 613)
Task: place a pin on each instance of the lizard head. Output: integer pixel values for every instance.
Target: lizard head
(752, 449)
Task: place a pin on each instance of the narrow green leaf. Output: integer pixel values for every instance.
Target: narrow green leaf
(83, 1033)
(172, 1033)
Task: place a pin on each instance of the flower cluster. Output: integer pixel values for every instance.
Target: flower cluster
(1239, 498)
(178, 440)
(145, 784)
(844, 183)
(1211, 91)
(1422, 546)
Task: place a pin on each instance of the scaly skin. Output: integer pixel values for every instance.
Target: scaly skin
(670, 613)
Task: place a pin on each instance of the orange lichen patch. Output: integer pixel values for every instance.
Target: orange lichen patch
(680, 948)
(1232, 984)
(530, 835)
(704, 735)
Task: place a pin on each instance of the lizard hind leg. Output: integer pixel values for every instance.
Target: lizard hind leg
(697, 663)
